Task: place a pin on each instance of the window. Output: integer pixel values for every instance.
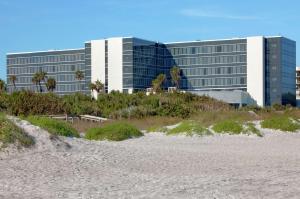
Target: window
(193, 50)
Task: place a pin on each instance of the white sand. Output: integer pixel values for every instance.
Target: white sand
(154, 166)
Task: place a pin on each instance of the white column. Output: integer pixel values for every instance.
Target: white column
(115, 64)
(256, 69)
(97, 62)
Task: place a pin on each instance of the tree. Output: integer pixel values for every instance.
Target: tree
(175, 75)
(38, 77)
(43, 76)
(157, 83)
(36, 80)
(13, 80)
(51, 84)
(92, 86)
(79, 76)
(2, 86)
(99, 86)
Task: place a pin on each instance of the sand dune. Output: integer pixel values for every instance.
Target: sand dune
(154, 166)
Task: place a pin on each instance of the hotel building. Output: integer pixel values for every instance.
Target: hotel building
(253, 70)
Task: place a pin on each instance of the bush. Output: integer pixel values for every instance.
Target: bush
(4, 99)
(53, 126)
(28, 102)
(138, 105)
(113, 105)
(228, 126)
(189, 128)
(80, 104)
(10, 134)
(110, 104)
(283, 123)
(114, 132)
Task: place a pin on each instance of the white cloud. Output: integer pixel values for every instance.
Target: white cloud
(215, 14)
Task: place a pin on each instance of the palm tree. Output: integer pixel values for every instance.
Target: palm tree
(36, 79)
(79, 76)
(92, 86)
(13, 80)
(43, 76)
(2, 85)
(99, 86)
(51, 84)
(157, 83)
(175, 75)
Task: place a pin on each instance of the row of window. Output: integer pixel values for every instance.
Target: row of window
(59, 78)
(191, 71)
(48, 69)
(174, 51)
(214, 71)
(201, 82)
(228, 48)
(45, 59)
(233, 81)
(188, 61)
(59, 88)
(207, 60)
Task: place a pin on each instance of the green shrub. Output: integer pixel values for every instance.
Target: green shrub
(80, 104)
(189, 128)
(283, 123)
(113, 105)
(114, 132)
(53, 126)
(138, 105)
(4, 99)
(250, 128)
(228, 126)
(11, 134)
(28, 102)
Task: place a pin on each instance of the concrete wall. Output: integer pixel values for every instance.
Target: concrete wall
(97, 62)
(256, 69)
(115, 64)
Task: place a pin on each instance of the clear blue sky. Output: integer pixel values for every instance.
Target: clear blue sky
(31, 25)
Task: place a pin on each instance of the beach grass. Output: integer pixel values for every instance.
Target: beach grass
(11, 134)
(189, 128)
(117, 131)
(228, 126)
(53, 126)
(282, 122)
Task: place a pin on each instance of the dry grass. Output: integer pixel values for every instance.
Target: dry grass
(212, 117)
(205, 118)
(142, 124)
(155, 121)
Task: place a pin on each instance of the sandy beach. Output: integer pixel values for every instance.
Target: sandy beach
(154, 166)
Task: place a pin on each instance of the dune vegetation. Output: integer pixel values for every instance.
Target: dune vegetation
(283, 123)
(189, 128)
(11, 134)
(53, 126)
(194, 114)
(114, 132)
